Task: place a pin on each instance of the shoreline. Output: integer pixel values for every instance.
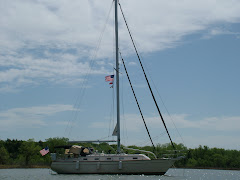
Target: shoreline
(48, 167)
(23, 167)
(210, 168)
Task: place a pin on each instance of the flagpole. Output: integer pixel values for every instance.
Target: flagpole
(117, 78)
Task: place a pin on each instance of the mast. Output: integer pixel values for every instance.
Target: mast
(117, 78)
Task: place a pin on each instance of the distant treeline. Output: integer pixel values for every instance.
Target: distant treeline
(18, 153)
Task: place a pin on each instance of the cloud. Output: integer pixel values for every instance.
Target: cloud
(52, 41)
(220, 129)
(132, 63)
(64, 25)
(30, 116)
(27, 70)
(216, 31)
(134, 122)
(162, 24)
(224, 123)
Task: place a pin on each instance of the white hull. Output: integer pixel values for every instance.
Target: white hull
(154, 167)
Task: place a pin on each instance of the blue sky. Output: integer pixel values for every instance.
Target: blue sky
(52, 78)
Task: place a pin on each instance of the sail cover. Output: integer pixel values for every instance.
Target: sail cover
(75, 149)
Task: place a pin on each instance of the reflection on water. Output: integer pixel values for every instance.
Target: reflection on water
(172, 174)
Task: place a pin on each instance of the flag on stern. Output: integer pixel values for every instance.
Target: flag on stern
(44, 151)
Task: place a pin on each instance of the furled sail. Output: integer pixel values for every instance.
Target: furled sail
(115, 131)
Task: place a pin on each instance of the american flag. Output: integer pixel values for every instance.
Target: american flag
(44, 151)
(109, 78)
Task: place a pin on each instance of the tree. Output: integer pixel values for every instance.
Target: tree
(56, 141)
(4, 155)
(29, 151)
(12, 146)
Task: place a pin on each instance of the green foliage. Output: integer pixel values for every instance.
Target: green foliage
(26, 153)
(12, 147)
(4, 155)
(205, 157)
(29, 151)
(54, 142)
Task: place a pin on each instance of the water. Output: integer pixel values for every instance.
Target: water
(172, 174)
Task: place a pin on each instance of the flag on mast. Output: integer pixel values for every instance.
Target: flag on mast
(110, 78)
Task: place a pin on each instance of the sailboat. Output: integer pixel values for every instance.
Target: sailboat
(82, 160)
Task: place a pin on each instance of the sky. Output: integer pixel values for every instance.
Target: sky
(54, 56)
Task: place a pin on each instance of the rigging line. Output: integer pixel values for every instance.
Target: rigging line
(147, 79)
(149, 74)
(146, 142)
(122, 105)
(82, 93)
(167, 110)
(113, 105)
(136, 101)
(102, 138)
(137, 47)
(123, 112)
(165, 107)
(111, 125)
(142, 142)
(84, 83)
(145, 65)
(111, 119)
(124, 119)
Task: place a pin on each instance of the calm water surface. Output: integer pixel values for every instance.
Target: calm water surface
(172, 174)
